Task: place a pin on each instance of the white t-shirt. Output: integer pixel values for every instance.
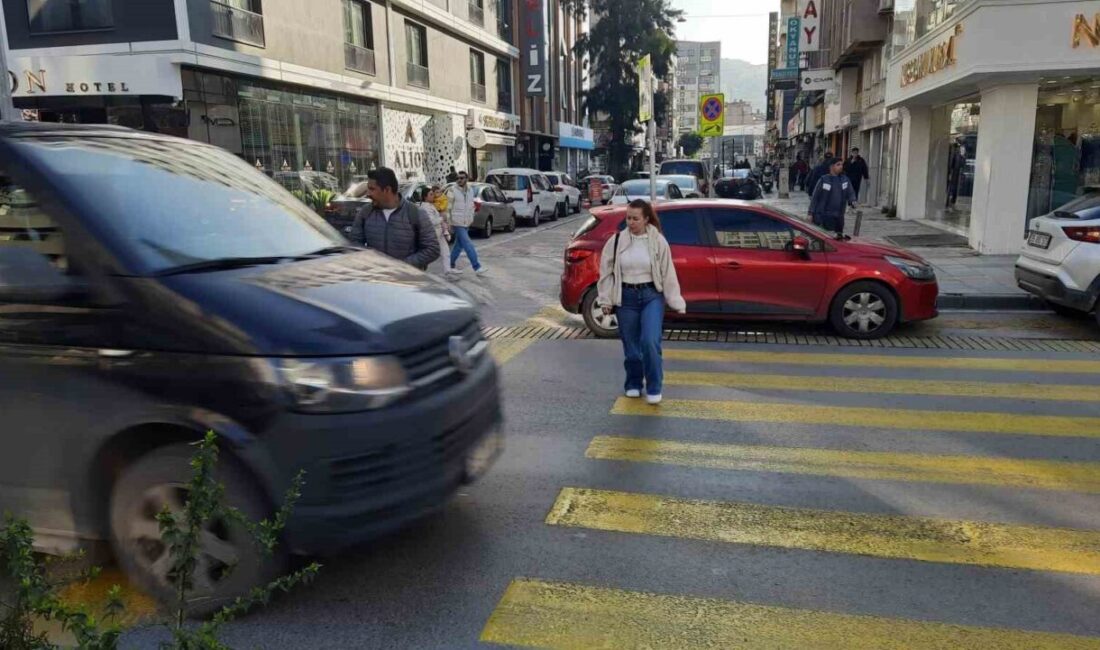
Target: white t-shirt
(635, 261)
(387, 212)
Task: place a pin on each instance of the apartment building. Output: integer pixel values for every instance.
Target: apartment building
(336, 86)
(698, 73)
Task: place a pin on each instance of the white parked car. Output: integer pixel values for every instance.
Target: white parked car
(1060, 260)
(529, 192)
(639, 189)
(567, 190)
(609, 185)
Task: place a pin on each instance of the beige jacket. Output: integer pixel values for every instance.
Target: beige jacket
(610, 286)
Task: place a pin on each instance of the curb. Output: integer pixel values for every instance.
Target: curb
(991, 302)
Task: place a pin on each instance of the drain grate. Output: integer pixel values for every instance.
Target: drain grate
(982, 343)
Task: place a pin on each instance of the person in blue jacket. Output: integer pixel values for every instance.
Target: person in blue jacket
(831, 194)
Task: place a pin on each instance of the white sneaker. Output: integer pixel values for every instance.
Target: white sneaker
(653, 399)
(633, 393)
(454, 271)
(482, 271)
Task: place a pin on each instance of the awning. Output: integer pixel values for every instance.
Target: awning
(576, 143)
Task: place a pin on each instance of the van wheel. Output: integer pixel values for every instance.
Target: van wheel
(535, 218)
(577, 208)
(604, 326)
(488, 232)
(864, 310)
(229, 562)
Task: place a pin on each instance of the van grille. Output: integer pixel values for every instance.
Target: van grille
(430, 367)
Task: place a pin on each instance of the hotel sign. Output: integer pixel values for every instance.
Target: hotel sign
(1081, 27)
(94, 75)
(931, 61)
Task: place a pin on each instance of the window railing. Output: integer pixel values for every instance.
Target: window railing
(477, 91)
(477, 13)
(237, 24)
(418, 75)
(359, 59)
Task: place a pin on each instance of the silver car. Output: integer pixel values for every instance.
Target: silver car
(639, 189)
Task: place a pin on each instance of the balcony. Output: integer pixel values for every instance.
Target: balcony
(236, 24)
(477, 13)
(477, 92)
(359, 59)
(862, 30)
(418, 75)
(886, 6)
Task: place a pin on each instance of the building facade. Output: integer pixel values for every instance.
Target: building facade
(330, 86)
(698, 73)
(998, 104)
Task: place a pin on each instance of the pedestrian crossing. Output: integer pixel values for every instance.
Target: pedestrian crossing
(745, 401)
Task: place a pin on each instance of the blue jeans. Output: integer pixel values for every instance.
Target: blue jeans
(463, 243)
(641, 320)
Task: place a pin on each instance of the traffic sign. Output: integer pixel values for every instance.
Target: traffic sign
(645, 89)
(712, 115)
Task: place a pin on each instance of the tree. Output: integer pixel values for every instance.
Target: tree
(626, 30)
(691, 143)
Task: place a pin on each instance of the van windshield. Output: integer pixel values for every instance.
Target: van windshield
(508, 183)
(161, 204)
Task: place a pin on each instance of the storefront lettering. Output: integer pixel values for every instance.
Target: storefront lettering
(496, 123)
(931, 61)
(1081, 27)
(36, 81)
(410, 159)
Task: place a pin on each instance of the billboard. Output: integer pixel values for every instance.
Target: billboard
(533, 47)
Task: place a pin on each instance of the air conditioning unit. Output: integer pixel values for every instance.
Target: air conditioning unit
(885, 6)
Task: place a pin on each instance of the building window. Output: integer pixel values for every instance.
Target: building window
(416, 51)
(358, 37)
(238, 20)
(504, 86)
(476, 12)
(69, 15)
(477, 76)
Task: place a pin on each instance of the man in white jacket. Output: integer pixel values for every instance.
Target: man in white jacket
(460, 201)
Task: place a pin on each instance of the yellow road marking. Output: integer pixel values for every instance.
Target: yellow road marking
(137, 607)
(749, 381)
(852, 416)
(886, 361)
(537, 614)
(978, 470)
(891, 536)
(504, 350)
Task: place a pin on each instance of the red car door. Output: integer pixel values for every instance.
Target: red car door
(691, 255)
(757, 275)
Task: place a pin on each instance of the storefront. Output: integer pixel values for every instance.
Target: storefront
(423, 146)
(491, 138)
(994, 132)
(575, 144)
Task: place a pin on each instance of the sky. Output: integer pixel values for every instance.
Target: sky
(741, 25)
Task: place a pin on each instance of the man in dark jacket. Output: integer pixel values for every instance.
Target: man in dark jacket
(817, 172)
(831, 194)
(393, 225)
(855, 168)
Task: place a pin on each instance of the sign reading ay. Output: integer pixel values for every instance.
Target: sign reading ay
(808, 37)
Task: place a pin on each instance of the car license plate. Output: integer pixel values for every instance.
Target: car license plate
(1038, 239)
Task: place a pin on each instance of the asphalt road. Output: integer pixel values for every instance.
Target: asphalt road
(782, 497)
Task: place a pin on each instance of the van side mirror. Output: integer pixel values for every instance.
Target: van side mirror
(27, 276)
(801, 245)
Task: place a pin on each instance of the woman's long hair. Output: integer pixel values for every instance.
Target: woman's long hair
(647, 211)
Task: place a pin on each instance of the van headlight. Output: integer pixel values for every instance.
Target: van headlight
(343, 385)
(914, 270)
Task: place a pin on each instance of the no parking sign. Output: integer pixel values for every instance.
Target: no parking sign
(712, 115)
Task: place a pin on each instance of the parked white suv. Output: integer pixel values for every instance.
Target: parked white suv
(567, 190)
(529, 191)
(1060, 260)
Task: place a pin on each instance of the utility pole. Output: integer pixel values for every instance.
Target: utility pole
(7, 108)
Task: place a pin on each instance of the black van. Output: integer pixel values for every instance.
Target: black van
(152, 289)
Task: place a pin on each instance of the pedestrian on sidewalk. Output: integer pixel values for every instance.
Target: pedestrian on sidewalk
(452, 175)
(817, 172)
(637, 280)
(460, 200)
(439, 223)
(855, 168)
(832, 193)
(798, 173)
(392, 225)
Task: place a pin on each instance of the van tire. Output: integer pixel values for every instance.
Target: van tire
(159, 479)
(535, 218)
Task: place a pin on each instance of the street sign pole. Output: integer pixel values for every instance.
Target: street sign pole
(647, 115)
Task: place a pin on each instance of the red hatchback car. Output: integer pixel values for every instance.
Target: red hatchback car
(746, 261)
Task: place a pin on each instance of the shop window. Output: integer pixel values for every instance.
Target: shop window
(1065, 161)
(416, 53)
(69, 15)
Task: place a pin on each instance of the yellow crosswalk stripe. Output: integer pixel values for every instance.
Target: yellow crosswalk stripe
(852, 416)
(976, 470)
(749, 381)
(886, 361)
(890, 536)
(537, 614)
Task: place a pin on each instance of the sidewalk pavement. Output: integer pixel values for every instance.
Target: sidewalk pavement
(968, 280)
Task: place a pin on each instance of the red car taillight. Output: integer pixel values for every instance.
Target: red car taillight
(574, 255)
(1089, 234)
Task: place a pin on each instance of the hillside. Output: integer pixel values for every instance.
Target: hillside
(743, 80)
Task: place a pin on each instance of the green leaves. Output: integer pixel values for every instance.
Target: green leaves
(691, 143)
